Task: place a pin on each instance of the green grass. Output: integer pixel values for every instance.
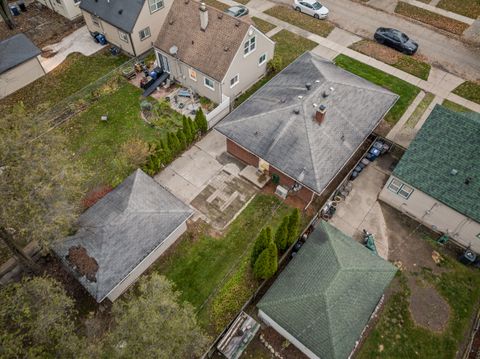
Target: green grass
(99, 143)
(76, 72)
(455, 106)
(199, 265)
(306, 22)
(402, 62)
(244, 2)
(288, 46)
(399, 335)
(262, 25)
(431, 18)
(469, 8)
(420, 110)
(469, 90)
(217, 4)
(406, 91)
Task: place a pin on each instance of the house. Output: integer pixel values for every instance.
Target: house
(121, 235)
(67, 8)
(215, 54)
(131, 25)
(19, 64)
(306, 123)
(437, 181)
(322, 301)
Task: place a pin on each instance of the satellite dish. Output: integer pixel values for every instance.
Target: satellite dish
(173, 50)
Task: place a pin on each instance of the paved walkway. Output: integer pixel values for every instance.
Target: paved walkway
(440, 83)
(78, 41)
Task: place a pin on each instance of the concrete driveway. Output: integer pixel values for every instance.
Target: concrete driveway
(208, 179)
(443, 51)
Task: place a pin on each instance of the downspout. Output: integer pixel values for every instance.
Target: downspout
(133, 45)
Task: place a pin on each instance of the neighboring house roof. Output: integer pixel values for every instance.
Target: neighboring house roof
(15, 51)
(122, 14)
(121, 229)
(210, 51)
(447, 141)
(311, 153)
(327, 293)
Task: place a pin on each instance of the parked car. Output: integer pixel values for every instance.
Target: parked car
(237, 11)
(311, 7)
(396, 40)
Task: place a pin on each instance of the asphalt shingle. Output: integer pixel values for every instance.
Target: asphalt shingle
(15, 51)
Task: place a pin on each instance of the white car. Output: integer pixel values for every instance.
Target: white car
(311, 7)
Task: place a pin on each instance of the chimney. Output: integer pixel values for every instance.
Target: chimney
(320, 114)
(203, 16)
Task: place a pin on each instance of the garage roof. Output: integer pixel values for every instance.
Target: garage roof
(325, 296)
(120, 230)
(15, 51)
(277, 123)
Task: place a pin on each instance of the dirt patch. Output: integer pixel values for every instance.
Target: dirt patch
(83, 263)
(407, 242)
(281, 345)
(41, 25)
(427, 306)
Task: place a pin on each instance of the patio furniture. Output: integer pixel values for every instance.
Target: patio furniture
(184, 93)
(129, 72)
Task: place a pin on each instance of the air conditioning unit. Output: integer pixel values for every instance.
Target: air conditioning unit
(281, 192)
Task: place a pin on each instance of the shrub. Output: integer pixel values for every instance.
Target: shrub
(187, 129)
(181, 139)
(293, 223)
(260, 244)
(201, 121)
(267, 262)
(274, 65)
(281, 235)
(173, 143)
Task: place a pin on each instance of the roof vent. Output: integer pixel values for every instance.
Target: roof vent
(171, 21)
(187, 1)
(237, 24)
(320, 114)
(296, 111)
(468, 180)
(226, 48)
(328, 92)
(308, 85)
(120, 12)
(220, 15)
(283, 100)
(453, 172)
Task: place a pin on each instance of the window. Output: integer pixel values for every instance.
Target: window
(209, 83)
(95, 21)
(400, 188)
(234, 80)
(262, 59)
(123, 36)
(145, 33)
(193, 74)
(155, 5)
(249, 46)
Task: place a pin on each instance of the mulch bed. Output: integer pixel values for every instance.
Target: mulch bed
(41, 25)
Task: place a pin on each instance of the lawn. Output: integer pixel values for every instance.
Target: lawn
(409, 64)
(455, 106)
(105, 146)
(262, 25)
(76, 72)
(469, 90)
(397, 336)
(200, 264)
(217, 4)
(420, 110)
(406, 91)
(288, 46)
(470, 8)
(306, 22)
(431, 18)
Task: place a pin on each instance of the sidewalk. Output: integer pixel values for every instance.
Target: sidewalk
(440, 83)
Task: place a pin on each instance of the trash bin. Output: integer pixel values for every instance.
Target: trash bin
(21, 5)
(14, 9)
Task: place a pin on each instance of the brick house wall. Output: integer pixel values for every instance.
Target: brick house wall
(235, 150)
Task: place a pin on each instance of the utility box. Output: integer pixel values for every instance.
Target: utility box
(281, 192)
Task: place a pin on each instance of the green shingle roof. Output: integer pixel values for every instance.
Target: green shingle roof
(447, 141)
(327, 293)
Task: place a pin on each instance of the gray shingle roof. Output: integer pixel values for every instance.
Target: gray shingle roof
(447, 140)
(121, 229)
(267, 125)
(210, 51)
(122, 14)
(15, 51)
(327, 293)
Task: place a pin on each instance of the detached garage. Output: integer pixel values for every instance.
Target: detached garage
(19, 64)
(121, 235)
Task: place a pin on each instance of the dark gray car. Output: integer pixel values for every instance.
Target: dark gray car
(396, 40)
(237, 11)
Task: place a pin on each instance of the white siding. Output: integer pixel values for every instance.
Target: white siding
(66, 8)
(20, 76)
(436, 215)
(146, 263)
(270, 322)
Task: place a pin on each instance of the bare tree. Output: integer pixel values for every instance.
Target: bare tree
(40, 184)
